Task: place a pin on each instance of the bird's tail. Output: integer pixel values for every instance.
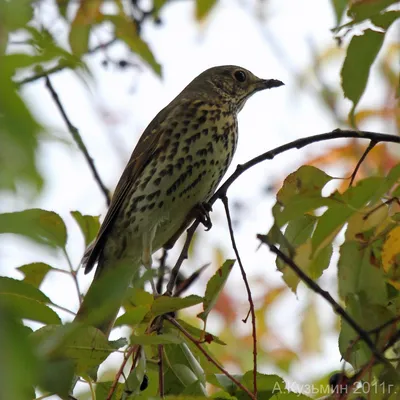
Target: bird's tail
(104, 297)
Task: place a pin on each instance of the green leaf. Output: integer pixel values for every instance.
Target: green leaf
(19, 133)
(132, 317)
(35, 273)
(357, 276)
(15, 14)
(385, 20)
(344, 206)
(300, 193)
(166, 338)
(136, 376)
(45, 227)
(267, 384)
(117, 344)
(87, 14)
(137, 297)
(30, 309)
(200, 333)
(20, 365)
(126, 30)
(56, 376)
(313, 264)
(368, 316)
(27, 301)
(300, 229)
(88, 224)
(86, 346)
(103, 388)
(166, 304)
(182, 371)
(339, 6)
(361, 10)
(203, 8)
(360, 55)
(21, 288)
(223, 382)
(214, 288)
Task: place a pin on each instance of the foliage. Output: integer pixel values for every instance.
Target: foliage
(313, 224)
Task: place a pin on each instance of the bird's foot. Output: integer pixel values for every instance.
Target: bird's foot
(202, 213)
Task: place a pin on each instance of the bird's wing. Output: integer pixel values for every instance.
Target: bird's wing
(151, 141)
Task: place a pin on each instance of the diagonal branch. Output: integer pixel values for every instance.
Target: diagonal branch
(371, 145)
(298, 144)
(270, 155)
(248, 290)
(78, 140)
(317, 289)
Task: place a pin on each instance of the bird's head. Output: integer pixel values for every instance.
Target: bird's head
(230, 84)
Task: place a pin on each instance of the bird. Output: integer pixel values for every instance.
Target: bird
(173, 171)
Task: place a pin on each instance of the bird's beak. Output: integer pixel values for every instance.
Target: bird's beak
(268, 84)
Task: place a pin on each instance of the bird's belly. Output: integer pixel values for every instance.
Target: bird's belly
(184, 175)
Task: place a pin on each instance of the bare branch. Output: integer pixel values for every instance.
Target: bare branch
(371, 145)
(317, 289)
(269, 155)
(298, 144)
(161, 271)
(78, 140)
(182, 257)
(248, 290)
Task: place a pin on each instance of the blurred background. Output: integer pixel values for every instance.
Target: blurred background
(113, 100)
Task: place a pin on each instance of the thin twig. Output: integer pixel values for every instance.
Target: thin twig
(371, 145)
(130, 351)
(381, 327)
(161, 370)
(248, 290)
(385, 203)
(183, 256)
(184, 285)
(72, 273)
(209, 358)
(317, 289)
(78, 140)
(161, 271)
(61, 65)
(298, 144)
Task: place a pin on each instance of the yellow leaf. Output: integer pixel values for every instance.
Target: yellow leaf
(310, 330)
(391, 257)
(358, 223)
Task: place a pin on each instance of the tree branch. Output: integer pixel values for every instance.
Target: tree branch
(269, 155)
(78, 140)
(298, 144)
(61, 65)
(248, 290)
(371, 145)
(317, 289)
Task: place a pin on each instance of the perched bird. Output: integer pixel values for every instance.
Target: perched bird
(173, 171)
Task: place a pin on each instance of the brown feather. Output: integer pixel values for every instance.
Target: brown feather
(149, 143)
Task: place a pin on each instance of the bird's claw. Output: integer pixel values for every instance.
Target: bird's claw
(202, 212)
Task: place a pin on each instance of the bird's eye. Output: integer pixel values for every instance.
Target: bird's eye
(240, 75)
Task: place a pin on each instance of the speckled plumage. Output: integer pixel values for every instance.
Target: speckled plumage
(177, 164)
